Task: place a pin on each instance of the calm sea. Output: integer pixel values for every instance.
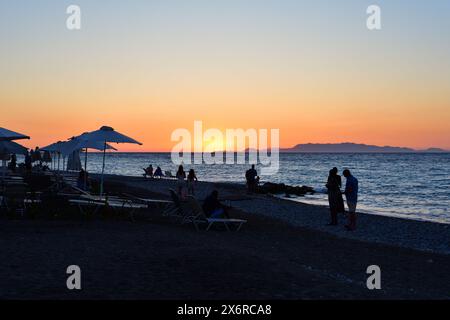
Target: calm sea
(415, 186)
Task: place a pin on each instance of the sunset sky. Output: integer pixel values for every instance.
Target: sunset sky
(309, 68)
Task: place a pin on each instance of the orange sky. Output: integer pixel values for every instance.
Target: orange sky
(152, 73)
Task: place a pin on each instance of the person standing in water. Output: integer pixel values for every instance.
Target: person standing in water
(335, 200)
(351, 193)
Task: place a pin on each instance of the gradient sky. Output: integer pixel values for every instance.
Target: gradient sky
(147, 67)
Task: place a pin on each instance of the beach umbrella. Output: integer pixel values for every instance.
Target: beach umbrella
(76, 144)
(66, 148)
(107, 134)
(74, 161)
(79, 143)
(55, 148)
(7, 148)
(8, 135)
(46, 157)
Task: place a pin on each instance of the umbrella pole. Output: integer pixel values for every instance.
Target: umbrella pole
(85, 159)
(103, 169)
(85, 168)
(3, 186)
(3, 170)
(57, 176)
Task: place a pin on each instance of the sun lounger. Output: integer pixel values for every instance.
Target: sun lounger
(199, 217)
(168, 174)
(161, 204)
(14, 196)
(175, 208)
(90, 205)
(147, 173)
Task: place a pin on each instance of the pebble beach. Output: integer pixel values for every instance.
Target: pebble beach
(407, 233)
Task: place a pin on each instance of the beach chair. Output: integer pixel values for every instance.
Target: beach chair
(89, 205)
(53, 204)
(168, 174)
(147, 173)
(198, 218)
(14, 197)
(174, 209)
(150, 202)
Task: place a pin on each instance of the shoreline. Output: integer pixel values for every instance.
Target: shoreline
(409, 217)
(427, 236)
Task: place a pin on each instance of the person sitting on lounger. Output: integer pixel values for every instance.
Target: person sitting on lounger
(148, 171)
(158, 173)
(213, 208)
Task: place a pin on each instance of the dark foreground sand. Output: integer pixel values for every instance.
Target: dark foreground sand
(157, 259)
(270, 258)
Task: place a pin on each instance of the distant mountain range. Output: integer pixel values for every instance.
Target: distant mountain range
(354, 148)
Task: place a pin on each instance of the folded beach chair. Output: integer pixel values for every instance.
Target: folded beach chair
(198, 217)
(168, 174)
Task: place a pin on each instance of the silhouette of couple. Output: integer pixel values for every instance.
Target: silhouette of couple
(336, 201)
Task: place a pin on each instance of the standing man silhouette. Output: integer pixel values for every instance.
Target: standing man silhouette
(351, 194)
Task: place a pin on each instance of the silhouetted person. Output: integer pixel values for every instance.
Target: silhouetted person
(335, 200)
(351, 194)
(158, 172)
(28, 162)
(252, 179)
(191, 179)
(13, 163)
(213, 208)
(36, 155)
(149, 171)
(181, 175)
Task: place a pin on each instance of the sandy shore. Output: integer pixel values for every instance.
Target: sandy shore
(270, 258)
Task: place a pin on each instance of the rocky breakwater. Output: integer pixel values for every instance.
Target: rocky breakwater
(281, 188)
